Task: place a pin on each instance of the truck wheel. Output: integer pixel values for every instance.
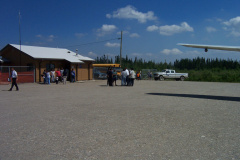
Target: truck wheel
(182, 78)
(161, 78)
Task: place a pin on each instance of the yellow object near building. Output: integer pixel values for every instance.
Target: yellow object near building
(107, 65)
(103, 68)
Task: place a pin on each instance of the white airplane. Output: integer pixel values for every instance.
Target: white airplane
(217, 47)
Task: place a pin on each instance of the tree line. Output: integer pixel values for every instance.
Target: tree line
(199, 63)
(198, 69)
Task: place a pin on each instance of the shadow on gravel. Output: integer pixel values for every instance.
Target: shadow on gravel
(222, 98)
(113, 86)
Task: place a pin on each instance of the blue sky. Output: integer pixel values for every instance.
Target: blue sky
(151, 29)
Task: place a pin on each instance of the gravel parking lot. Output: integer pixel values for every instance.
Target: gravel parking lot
(151, 121)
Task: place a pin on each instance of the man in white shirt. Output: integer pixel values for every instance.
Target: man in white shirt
(132, 76)
(14, 80)
(127, 77)
(124, 75)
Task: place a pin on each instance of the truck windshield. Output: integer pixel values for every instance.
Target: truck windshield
(163, 70)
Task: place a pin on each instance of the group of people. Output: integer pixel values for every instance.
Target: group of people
(58, 76)
(127, 77)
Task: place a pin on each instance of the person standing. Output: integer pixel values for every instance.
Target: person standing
(72, 75)
(115, 77)
(150, 75)
(61, 71)
(14, 79)
(64, 76)
(48, 77)
(138, 76)
(132, 76)
(53, 75)
(56, 80)
(58, 74)
(110, 77)
(127, 77)
(124, 75)
(67, 70)
(44, 77)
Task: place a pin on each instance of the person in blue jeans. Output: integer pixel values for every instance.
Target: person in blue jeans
(124, 76)
(48, 77)
(73, 75)
(45, 77)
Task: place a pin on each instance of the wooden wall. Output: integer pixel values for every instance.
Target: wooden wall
(17, 58)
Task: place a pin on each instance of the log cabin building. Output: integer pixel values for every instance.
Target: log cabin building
(45, 58)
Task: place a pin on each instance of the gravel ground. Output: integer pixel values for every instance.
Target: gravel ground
(151, 121)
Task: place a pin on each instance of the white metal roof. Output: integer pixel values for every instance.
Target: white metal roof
(52, 53)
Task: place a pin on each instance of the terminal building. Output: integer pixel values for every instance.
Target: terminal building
(38, 59)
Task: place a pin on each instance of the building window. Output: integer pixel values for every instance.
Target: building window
(50, 67)
(30, 67)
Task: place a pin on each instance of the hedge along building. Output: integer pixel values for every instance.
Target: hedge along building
(44, 58)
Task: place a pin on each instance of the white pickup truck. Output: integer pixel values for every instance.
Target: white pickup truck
(170, 74)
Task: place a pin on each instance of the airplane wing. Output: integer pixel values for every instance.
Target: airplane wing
(217, 47)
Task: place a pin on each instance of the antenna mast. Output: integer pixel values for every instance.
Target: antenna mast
(19, 30)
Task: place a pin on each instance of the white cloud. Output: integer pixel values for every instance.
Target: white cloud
(219, 20)
(233, 25)
(173, 51)
(152, 28)
(235, 33)
(233, 22)
(214, 19)
(124, 32)
(49, 38)
(210, 29)
(91, 54)
(225, 28)
(170, 30)
(106, 29)
(134, 35)
(130, 12)
(108, 44)
(173, 29)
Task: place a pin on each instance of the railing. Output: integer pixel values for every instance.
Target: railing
(26, 74)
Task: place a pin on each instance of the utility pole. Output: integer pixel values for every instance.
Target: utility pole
(20, 56)
(121, 50)
(19, 30)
